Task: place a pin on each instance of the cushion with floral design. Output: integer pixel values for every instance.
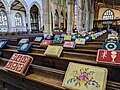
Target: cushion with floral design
(85, 77)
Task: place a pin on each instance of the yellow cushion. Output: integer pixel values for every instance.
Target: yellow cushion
(54, 51)
(85, 77)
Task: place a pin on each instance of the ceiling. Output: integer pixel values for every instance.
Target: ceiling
(115, 4)
(1, 5)
(17, 6)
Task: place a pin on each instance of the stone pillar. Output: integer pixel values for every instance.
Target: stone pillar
(64, 22)
(47, 17)
(86, 16)
(79, 15)
(59, 20)
(70, 5)
(28, 22)
(9, 21)
(92, 14)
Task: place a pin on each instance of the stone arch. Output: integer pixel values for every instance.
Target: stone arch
(21, 1)
(5, 3)
(37, 4)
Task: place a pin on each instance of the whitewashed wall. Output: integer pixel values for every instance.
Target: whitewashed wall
(27, 4)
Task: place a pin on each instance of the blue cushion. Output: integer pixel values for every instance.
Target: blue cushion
(49, 37)
(26, 47)
(38, 39)
(111, 46)
(3, 44)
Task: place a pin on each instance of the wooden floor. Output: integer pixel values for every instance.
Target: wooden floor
(47, 73)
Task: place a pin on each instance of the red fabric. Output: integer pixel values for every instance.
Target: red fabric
(19, 63)
(45, 43)
(108, 56)
(69, 44)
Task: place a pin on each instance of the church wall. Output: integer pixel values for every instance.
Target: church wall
(13, 12)
(102, 10)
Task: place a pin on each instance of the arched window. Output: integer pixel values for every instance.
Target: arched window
(108, 15)
(18, 19)
(3, 18)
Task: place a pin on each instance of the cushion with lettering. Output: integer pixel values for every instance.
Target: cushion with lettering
(54, 51)
(19, 63)
(26, 47)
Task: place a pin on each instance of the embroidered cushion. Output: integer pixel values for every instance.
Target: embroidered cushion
(23, 41)
(67, 38)
(85, 77)
(54, 51)
(58, 40)
(26, 47)
(19, 63)
(38, 39)
(45, 43)
(3, 44)
(69, 44)
(111, 46)
(80, 41)
(49, 37)
(108, 56)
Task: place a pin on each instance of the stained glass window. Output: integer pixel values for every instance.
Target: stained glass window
(108, 15)
(18, 19)
(3, 18)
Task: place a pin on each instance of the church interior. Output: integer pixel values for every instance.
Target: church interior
(59, 44)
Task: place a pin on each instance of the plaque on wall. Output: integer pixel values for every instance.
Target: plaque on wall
(54, 51)
(108, 56)
(3, 44)
(19, 63)
(26, 47)
(85, 77)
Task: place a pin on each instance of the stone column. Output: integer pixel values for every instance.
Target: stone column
(47, 17)
(79, 15)
(59, 20)
(28, 22)
(70, 5)
(92, 14)
(86, 16)
(9, 21)
(64, 22)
